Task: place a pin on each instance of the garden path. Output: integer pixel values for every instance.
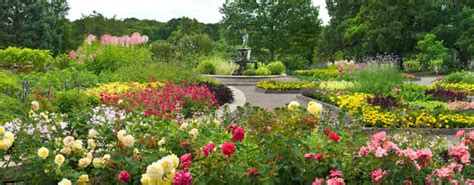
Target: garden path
(268, 101)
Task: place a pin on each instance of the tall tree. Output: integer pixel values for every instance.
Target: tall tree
(279, 27)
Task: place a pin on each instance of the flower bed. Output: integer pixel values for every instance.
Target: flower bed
(288, 146)
(284, 84)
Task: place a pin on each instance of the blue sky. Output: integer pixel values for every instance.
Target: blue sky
(162, 10)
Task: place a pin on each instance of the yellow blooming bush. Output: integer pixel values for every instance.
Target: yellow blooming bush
(119, 87)
(335, 85)
(6, 139)
(284, 84)
(161, 171)
(459, 87)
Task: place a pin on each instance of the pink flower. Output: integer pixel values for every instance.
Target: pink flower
(238, 134)
(124, 176)
(459, 133)
(252, 172)
(185, 160)
(185, 143)
(363, 151)
(309, 155)
(183, 178)
(379, 137)
(407, 182)
(318, 181)
(318, 157)
(460, 152)
(334, 137)
(424, 156)
(380, 152)
(207, 149)
(228, 148)
(443, 172)
(471, 135)
(336, 181)
(378, 174)
(387, 145)
(335, 173)
(410, 154)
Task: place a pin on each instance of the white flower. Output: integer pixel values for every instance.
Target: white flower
(167, 164)
(92, 133)
(89, 155)
(66, 150)
(293, 105)
(97, 163)
(77, 145)
(59, 159)
(68, 141)
(128, 140)
(121, 134)
(35, 105)
(175, 160)
(184, 126)
(194, 132)
(65, 182)
(161, 142)
(106, 158)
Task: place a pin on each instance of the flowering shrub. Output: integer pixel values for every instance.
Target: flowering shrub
(335, 85)
(284, 84)
(461, 105)
(384, 102)
(125, 41)
(119, 88)
(459, 87)
(169, 101)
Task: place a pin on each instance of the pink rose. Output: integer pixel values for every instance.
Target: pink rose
(124, 176)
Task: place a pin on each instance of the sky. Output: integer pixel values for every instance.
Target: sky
(206, 11)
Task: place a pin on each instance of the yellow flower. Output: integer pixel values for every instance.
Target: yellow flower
(128, 141)
(83, 179)
(43, 152)
(92, 133)
(145, 180)
(9, 136)
(183, 126)
(175, 160)
(35, 105)
(68, 141)
(106, 158)
(91, 144)
(97, 163)
(167, 164)
(65, 182)
(59, 159)
(315, 108)
(216, 122)
(2, 130)
(161, 142)
(5, 144)
(77, 145)
(84, 162)
(66, 150)
(155, 171)
(293, 105)
(136, 151)
(194, 132)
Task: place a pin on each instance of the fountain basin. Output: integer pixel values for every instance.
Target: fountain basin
(244, 79)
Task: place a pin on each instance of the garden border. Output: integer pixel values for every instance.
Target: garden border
(282, 91)
(239, 100)
(244, 79)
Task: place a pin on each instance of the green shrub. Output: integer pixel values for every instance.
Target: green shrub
(249, 72)
(111, 58)
(69, 78)
(412, 65)
(8, 83)
(61, 62)
(460, 77)
(9, 108)
(25, 59)
(160, 71)
(263, 71)
(276, 68)
(71, 100)
(295, 62)
(206, 67)
(164, 51)
(431, 50)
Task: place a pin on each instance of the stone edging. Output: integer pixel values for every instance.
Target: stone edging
(331, 107)
(239, 100)
(283, 91)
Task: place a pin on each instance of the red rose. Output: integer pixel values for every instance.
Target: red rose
(326, 131)
(239, 134)
(231, 127)
(185, 160)
(318, 157)
(252, 172)
(207, 149)
(124, 176)
(185, 144)
(228, 148)
(334, 137)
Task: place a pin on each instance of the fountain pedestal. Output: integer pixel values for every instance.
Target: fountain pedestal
(243, 59)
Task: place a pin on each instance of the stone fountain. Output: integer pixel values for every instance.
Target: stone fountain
(244, 55)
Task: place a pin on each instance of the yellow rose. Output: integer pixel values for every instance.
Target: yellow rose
(128, 141)
(43, 152)
(175, 160)
(194, 132)
(59, 159)
(83, 179)
(66, 150)
(106, 158)
(97, 163)
(84, 162)
(2, 130)
(315, 108)
(68, 141)
(216, 122)
(92, 133)
(9, 136)
(145, 180)
(35, 105)
(77, 145)
(167, 164)
(121, 135)
(65, 182)
(161, 142)
(155, 171)
(91, 144)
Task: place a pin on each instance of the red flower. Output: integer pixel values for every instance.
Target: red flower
(183, 178)
(124, 176)
(334, 137)
(252, 172)
(228, 148)
(239, 134)
(309, 155)
(207, 149)
(185, 144)
(185, 160)
(318, 157)
(335, 173)
(137, 156)
(326, 131)
(232, 127)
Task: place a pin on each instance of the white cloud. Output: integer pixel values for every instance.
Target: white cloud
(162, 10)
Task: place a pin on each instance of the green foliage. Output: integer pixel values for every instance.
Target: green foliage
(276, 68)
(10, 107)
(432, 53)
(111, 58)
(411, 66)
(216, 65)
(412, 92)
(195, 45)
(249, 72)
(460, 77)
(377, 78)
(69, 78)
(8, 83)
(429, 106)
(294, 62)
(71, 100)
(164, 51)
(206, 67)
(263, 71)
(25, 59)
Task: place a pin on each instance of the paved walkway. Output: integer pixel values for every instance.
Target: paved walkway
(268, 101)
(425, 81)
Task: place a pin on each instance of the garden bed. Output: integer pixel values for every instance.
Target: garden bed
(282, 91)
(243, 79)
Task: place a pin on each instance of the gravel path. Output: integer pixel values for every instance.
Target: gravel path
(268, 101)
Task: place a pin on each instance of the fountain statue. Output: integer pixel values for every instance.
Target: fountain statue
(244, 58)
